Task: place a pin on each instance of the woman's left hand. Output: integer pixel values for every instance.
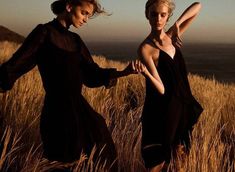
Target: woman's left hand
(135, 67)
(175, 36)
(130, 68)
(139, 67)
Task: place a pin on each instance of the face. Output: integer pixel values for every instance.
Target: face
(80, 14)
(158, 15)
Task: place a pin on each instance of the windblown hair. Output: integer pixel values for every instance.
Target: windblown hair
(170, 4)
(59, 6)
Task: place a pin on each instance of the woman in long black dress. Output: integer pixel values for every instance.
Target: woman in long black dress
(68, 124)
(170, 110)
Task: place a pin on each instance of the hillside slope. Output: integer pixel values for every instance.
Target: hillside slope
(11, 36)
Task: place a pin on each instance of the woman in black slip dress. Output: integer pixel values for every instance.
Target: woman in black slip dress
(68, 123)
(170, 110)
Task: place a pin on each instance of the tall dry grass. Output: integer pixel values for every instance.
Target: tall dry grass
(213, 138)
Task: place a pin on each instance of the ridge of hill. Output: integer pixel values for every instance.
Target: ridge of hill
(9, 35)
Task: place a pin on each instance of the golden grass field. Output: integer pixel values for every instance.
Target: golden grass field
(213, 138)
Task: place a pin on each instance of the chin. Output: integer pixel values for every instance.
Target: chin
(158, 29)
(76, 25)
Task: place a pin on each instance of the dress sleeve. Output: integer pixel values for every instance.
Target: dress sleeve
(93, 75)
(23, 60)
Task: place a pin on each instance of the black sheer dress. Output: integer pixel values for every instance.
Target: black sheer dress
(68, 123)
(167, 120)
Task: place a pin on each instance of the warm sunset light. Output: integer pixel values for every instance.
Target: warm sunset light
(117, 86)
(215, 23)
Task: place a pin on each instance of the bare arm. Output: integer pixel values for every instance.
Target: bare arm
(149, 69)
(184, 21)
(187, 17)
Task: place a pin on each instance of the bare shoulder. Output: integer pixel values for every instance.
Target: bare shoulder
(147, 51)
(143, 49)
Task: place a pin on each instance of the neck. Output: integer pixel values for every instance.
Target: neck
(157, 34)
(63, 20)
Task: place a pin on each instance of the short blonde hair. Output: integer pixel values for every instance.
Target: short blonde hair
(169, 3)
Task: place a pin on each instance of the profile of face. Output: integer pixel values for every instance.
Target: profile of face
(79, 14)
(158, 15)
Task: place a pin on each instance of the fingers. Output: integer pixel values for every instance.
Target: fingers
(130, 68)
(139, 66)
(133, 65)
(142, 68)
(177, 41)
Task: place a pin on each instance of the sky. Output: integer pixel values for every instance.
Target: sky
(215, 23)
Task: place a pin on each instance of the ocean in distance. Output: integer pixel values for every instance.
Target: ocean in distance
(206, 59)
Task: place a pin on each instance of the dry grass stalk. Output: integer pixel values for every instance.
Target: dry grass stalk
(213, 137)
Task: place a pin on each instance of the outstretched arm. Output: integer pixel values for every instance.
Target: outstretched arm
(184, 21)
(96, 76)
(23, 60)
(129, 69)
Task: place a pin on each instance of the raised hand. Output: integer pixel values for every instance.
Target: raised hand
(175, 35)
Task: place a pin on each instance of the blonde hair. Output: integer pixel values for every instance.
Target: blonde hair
(170, 4)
